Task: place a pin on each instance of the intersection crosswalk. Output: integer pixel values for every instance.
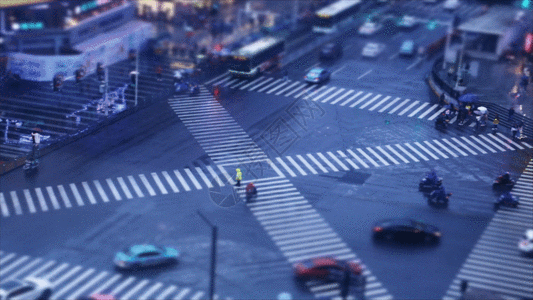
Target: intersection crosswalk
(280, 208)
(495, 263)
(70, 281)
(205, 176)
(371, 101)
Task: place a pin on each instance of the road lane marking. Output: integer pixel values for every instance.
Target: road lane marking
(318, 163)
(426, 150)
(473, 145)
(42, 268)
(29, 200)
(79, 278)
(248, 84)
(454, 147)
(86, 286)
(260, 84)
(463, 145)
(284, 165)
(231, 82)
(348, 160)
(492, 143)
(106, 284)
(216, 78)
(193, 179)
(366, 73)
(40, 197)
(324, 93)
(342, 97)
(287, 88)
(501, 142)
(387, 155)
(291, 160)
(386, 163)
(13, 265)
(136, 188)
(357, 158)
(367, 157)
(407, 153)
(24, 269)
(306, 90)
(394, 56)
(445, 148)
(65, 276)
(122, 286)
(315, 92)
(408, 108)
(399, 106)
(124, 187)
(338, 70)
(417, 61)
(435, 149)
(16, 203)
(159, 183)
(166, 292)
(361, 100)
(337, 161)
(428, 111)
(510, 141)
(417, 110)
(88, 192)
(389, 105)
(307, 164)
(437, 113)
(333, 95)
(135, 289)
(150, 291)
(278, 87)
(101, 191)
(303, 85)
(52, 196)
(3, 206)
(222, 81)
(269, 85)
(170, 182)
(113, 189)
(351, 98)
(379, 103)
(416, 151)
(64, 196)
(370, 101)
(397, 154)
(204, 178)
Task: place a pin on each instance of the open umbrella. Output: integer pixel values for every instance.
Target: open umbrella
(469, 98)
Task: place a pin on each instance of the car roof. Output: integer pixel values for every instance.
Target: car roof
(408, 42)
(137, 249)
(325, 261)
(11, 284)
(398, 222)
(529, 234)
(316, 70)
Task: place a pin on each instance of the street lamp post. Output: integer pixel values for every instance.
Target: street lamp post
(214, 234)
(447, 46)
(136, 73)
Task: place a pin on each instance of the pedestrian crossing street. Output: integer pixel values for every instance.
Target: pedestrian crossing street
(370, 101)
(73, 281)
(495, 263)
(292, 223)
(205, 176)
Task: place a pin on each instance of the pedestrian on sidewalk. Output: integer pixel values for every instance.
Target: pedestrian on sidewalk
(36, 140)
(511, 114)
(238, 177)
(285, 75)
(514, 130)
(442, 100)
(159, 71)
(495, 123)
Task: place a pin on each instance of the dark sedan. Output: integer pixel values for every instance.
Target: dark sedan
(406, 230)
(330, 51)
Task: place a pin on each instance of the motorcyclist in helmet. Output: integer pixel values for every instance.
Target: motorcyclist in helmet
(432, 177)
(251, 190)
(506, 178)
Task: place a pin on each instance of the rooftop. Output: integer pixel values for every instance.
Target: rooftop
(495, 21)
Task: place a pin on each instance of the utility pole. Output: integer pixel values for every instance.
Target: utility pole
(460, 65)
(447, 46)
(106, 104)
(214, 234)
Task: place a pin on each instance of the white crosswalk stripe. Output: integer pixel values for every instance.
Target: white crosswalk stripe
(361, 100)
(159, 183)
(125, 188)
(29, 200)
(42, 201)
(496, 255)
(136, 188)
(88, 192)
(113, 189)
(101, 191)
(76, 194)
(16, 203)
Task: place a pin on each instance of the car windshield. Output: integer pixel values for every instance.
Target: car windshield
(372, 46)
(313, 74)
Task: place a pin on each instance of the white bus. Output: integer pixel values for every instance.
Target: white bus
(327, 18)
(257, 57)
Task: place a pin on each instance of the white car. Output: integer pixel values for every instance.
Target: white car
(526, 243)
(30, 288)
(369, 28)
(372, 49)
(451, 4)
(407, 22)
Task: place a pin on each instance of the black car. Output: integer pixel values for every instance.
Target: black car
(405, 230)
(331, 51)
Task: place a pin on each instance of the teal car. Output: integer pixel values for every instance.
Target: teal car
(141, 256)
(407, 48)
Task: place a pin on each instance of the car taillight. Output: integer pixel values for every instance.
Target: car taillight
(305, 77)
(378, 229)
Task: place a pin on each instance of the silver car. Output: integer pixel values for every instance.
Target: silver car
(30, 288)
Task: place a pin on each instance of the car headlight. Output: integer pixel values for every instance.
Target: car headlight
(438, 234)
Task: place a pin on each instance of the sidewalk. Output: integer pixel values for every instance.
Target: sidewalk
(496, 84)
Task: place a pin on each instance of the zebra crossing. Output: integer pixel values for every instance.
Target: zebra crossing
(370, 101)
(292, 223)
(387, 155)
(495, 263)
(73, 281)
(205, 176)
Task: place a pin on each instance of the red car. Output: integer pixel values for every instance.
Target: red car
(325, 268)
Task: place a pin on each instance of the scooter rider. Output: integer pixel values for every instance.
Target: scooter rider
(250, 191)
(506, 178)
(432, 177)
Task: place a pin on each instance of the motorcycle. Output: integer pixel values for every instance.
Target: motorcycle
(441, 123)
(30, 166)
(506, 200)
(502, 183)
(429, 184)
(438, 198)
(193, 89)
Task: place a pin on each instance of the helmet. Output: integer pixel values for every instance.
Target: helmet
(238, 170)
